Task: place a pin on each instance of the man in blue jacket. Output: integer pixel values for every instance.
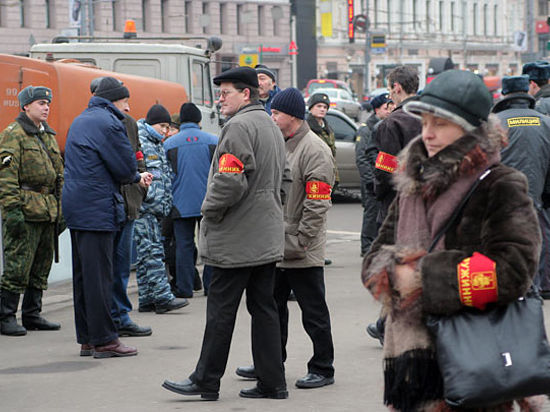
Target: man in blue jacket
(98, 159)
(267, 86)
(190, 155)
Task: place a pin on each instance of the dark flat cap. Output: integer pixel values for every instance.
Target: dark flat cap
(515, 84)
(246, 75)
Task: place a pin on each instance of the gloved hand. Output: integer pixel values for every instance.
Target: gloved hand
(14, 222)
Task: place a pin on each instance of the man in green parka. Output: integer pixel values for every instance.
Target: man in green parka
(29, 191)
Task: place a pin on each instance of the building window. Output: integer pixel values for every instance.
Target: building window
(261, 20)
(205, 18)
(428, 15)
(414, 15)
(50, 14)
(440, 17)
(146, 15)
(223, 18)
(375, 13)
(240, 10)
(495, 20)
(188, 17)
(164, 16)
(388, 20)
(485, 19)
(543, 8)
(453, 26)
(475, 18)
(277, 17)
(22, 21)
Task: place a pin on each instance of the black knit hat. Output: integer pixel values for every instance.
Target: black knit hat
(111, 89)
(157, 114)
(263, 69)
(538, 70)
(246, 75)
(291, 102)
(189, 112)
(318, 98)
(456, 95)
(515, 84)
(30, 94)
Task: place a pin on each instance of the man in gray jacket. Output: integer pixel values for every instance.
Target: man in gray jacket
(242, 238)
(302, 269)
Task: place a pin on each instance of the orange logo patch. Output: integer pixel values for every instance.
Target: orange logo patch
(477, 281)
(386, 162)
(230, 164)
(318, 190)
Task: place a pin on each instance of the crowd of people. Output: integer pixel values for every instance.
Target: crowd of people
(259, 196)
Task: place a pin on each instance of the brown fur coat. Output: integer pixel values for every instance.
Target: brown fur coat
(498, 221)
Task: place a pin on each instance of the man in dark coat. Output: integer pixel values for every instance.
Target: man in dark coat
(539, 73)
(267, 88)
(528, 151)
(99, 158)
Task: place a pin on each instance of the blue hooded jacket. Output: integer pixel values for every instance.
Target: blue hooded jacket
(98, 159)
(267, 103)
(190, 154)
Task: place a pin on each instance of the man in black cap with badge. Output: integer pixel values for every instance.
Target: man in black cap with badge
(539, 73)
(242, 238)
(267, 86)
(528, 151)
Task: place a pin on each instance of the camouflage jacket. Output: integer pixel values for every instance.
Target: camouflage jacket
(28, 183)
(324, 133)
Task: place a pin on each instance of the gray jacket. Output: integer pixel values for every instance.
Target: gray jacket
(313, 172)
(543, 100)
(242, 211)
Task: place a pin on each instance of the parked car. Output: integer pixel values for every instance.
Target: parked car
(344, 133)
(341, 100)
(315, 84)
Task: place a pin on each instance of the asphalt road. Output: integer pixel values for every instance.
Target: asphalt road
(43, 372)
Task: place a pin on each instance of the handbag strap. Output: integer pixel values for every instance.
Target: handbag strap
(457, 210)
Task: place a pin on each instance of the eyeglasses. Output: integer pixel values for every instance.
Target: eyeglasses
(227, 92)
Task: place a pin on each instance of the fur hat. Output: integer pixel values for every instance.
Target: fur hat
(318, 98)
(246, 75)
(29, 94)
(111, 89)
(263, 69)
(515, 84)
(157, 114)
(538, 70)
(456, 95)
(189, 112)
(291, 102)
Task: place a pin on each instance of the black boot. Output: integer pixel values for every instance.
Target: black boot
(31, 308)
(8, 307)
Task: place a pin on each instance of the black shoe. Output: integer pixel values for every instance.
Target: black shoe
(257, 393)
(246, 372)
(187, 387)
(31, 308)
(374, 332)
(174, 304)
(181, 295)
(8, 307)
(132, 329)
(146, 308)
(314, 380)
(328, 261)
(545, 294)
(39, 323)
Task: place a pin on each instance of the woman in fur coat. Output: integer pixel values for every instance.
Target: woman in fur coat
(497, 229)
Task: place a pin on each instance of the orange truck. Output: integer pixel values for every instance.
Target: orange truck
(70, 84)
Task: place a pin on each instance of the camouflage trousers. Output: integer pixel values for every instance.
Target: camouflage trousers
(28, 257)
(152, 280)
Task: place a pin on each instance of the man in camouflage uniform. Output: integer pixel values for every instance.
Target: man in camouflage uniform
(29, 193)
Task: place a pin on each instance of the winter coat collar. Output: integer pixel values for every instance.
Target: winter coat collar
(96, 101)
(514, 101)
(29, 127)
(248, 108)
(543, 92)
(293, 141)
(148, 132)
(404, 102)
(189, 125)
(316, 127)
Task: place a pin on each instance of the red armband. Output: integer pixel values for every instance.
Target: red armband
(477, 281)
(386, 162)
(316, 189)
(230, 164)
(139, 155)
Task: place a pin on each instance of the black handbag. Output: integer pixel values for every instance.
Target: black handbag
(492, 356)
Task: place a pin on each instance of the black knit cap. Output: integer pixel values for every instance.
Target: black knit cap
(189, 112)
(318, 98)
(246, 75)
(456, 95)
(30, 94)
(157, 114)
(515, 84)
(111, 89)
(537, 70)
(291, 102)
(263, 69)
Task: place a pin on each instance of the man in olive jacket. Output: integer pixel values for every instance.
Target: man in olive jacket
(242, 237)
(302, 269)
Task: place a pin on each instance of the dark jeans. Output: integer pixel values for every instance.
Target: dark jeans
(308, 285)
(184, 232)
(369, 228)
(225, 294)
(123, 250)
(92, 254)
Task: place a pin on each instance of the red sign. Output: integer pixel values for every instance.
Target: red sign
(351, 29)
(269, 49)
(292, 48)
(541, 26)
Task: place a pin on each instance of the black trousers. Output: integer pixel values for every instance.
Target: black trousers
(93, 286)
(224, 296)
(308, 285)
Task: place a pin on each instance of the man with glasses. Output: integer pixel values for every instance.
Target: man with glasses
(242, 238)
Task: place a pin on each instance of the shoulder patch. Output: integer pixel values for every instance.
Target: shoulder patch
(152, 157)
(523, 121)
(230, 164)
(318, 190)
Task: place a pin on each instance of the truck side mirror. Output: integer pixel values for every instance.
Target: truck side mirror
(214, 44)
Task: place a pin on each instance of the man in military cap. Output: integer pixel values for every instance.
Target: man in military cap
(539, 73)
(528, 151)
(29, 195)
(242, 237)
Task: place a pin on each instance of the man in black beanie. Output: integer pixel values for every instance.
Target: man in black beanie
(528, 151)
(241, 237)
(193, 148)
(302, 269)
